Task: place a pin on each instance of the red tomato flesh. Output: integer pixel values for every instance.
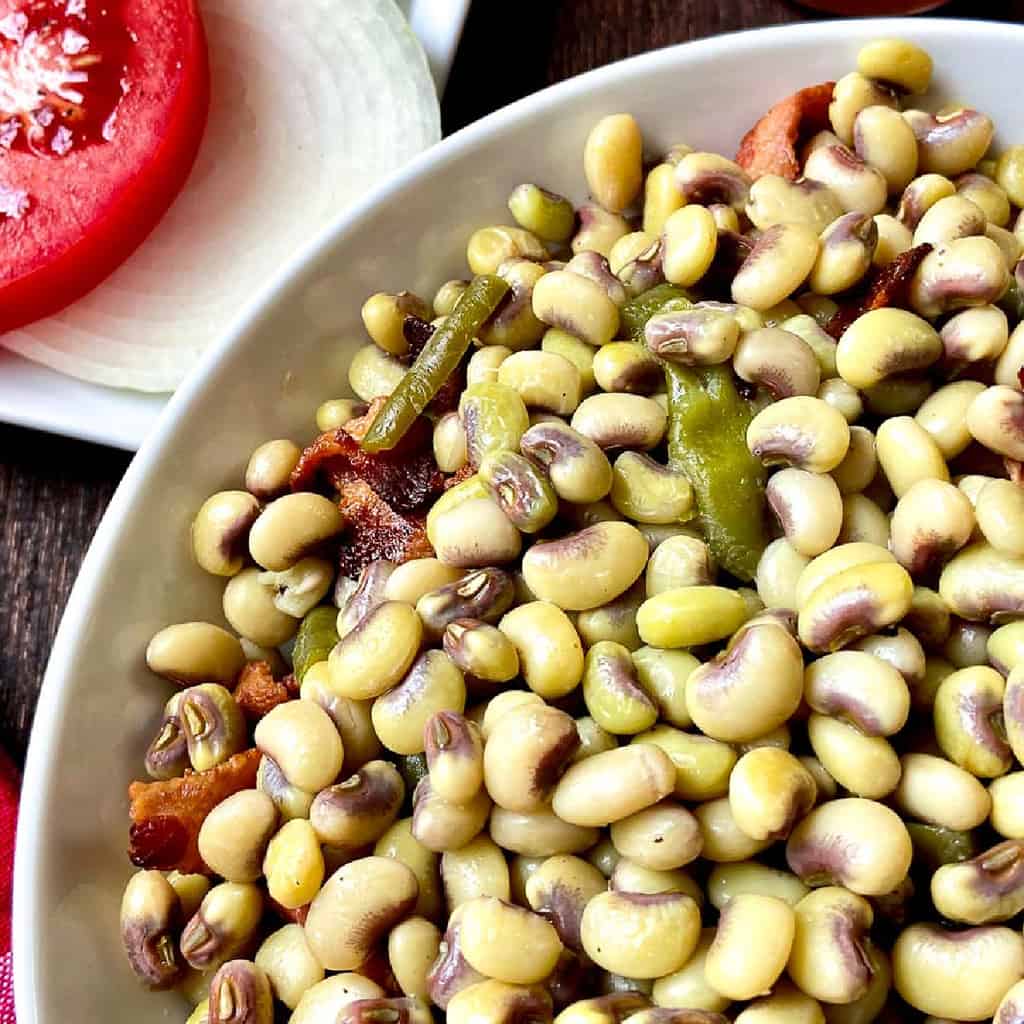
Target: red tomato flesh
(102, 107)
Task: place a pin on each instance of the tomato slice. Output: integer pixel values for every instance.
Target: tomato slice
(102, 107)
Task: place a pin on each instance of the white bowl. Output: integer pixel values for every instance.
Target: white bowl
(99, 705)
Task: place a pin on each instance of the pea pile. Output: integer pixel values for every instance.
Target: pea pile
(708, 704)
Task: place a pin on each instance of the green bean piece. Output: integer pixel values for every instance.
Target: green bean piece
(707, 430)
(435, 363)
(1012, 302)
(315, 640)
(935, 845)
(635, 313)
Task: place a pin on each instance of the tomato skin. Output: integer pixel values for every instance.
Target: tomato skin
(90, 209)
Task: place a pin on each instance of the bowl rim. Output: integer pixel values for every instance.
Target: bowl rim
(28, 902)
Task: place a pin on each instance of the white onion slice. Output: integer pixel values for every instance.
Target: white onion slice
(314, 102)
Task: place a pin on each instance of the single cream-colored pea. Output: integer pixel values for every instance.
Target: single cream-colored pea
(980, 583)
(513, 323)
(433, 684)
(894, 238)
(149, 915)
(474, 870)
(907, 454)
(612, 161)
(661, 197)
(711, 178)
(620, 420)
(944, 414)
(612, 693)
(351, 717)
(488, 248)
(663, 675)
(988, 195)
(953, 142)
(846, 249)
(599, 229)
(358, 904)
(801, 431)
(1005, 647)
(751, 946)
(1000, 511)
(268, 472)
(860, 688)
(1010, 1006)
(577, 305)
(854, 603)
(950, 218)
(865, 766)
(840, 395)
(292, 526)
(809, 509)
(470, 529)
(647, 492)
(1009, 244)
(627, 366)
(506, 942)
(831, 953)
(724, 841)
(859, 465)
(693, 337)
(853, 93)
(586, 569)
(689, 616)
(859, 187)
(289, 964)
(525, 753)
(647, 935)
(727, 881)
(778, 361)
(399, 843)
(932, 520)
(778, 570)
(702, 765)
(769, 791)
(961, 273)
(449, 294)
(593, 739)
(897, 396)
(688, 989)
(499, 1002)
(628, 876)
(544, 380)
(972, 724)
(249, 606)
(854, 842)
(896, 62)
(681, 561)
(820, 342)
(549, 648)
(411, 580)
(1007, 816)
(412, 948)
(961, 975)
(300, 589)
(330, 415)
(883, 342)
(731, 698)
(579, 353)
(539, 833)
(775, 200)
(443, 825)
(559, 889)
(384, 316)
(786, 1004)
(830, 564)
(967, 643)
(1009, 173)
(661, 838)
(373, 373)
(220, 531)
(301, 738)
(195, 652)
(328, 1000)
(689, 241)
(484, 364)
(883, 139)
(359, 809)
(450, 450)
(614, 621)
(454, 751)
(377, 653)
(778, 264)
(579, 470)
(234, 835)
(613, 785)
(293, 864)
(983, 890)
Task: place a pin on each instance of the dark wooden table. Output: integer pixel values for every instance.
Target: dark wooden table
(53, 491)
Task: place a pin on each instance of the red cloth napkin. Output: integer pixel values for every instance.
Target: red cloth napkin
(9, 786)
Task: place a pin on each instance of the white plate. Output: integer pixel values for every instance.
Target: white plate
(99, 705)
(34, 396)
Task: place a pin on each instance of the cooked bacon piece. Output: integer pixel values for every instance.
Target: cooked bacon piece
(886, 286)
(375, 530)
(407, 477)
(258, 692)
(770, 146)
(166, 816)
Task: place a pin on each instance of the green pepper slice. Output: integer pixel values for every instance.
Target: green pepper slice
(634, 314)
(315, 640)
(435, 363)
